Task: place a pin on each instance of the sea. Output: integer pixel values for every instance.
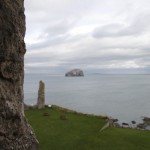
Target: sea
(123, 97)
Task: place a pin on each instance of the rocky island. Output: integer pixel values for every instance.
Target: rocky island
(75, 73)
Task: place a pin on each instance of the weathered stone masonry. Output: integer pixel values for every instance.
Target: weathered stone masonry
(15, 132)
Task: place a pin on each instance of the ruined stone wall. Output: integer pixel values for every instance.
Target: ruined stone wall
(15, 132)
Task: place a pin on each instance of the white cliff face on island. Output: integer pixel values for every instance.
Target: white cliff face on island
(75, 73)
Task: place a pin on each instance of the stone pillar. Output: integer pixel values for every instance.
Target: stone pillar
(41, 95)
(15, 132)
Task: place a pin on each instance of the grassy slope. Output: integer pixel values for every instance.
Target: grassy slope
(80, 132)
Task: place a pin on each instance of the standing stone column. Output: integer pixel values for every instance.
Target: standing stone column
(15, 132)
(41, 95)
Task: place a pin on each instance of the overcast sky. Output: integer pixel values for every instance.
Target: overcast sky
(101, 36)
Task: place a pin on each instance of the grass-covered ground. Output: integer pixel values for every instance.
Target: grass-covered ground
(58, 129)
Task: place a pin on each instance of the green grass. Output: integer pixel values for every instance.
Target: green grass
(63, 130)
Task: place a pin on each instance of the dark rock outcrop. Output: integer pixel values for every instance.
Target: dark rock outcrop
(15, 132)
(146, 120)
(145, 125)
(75, 73)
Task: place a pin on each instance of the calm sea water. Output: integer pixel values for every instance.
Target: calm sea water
(126, 97)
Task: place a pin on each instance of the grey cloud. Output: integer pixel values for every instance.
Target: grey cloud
(54, 34)
(109, 30)
(104, 60)
(37, 59)
(137, 27)
(119, 40)
(46, 43)
(114, 30)
(59, 28)
(85, 62)
(63, 7)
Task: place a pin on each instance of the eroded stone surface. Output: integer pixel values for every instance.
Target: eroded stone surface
(15, 132)
(41, 95)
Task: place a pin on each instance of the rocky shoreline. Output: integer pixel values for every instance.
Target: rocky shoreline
(145, 125)
(111, 122)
